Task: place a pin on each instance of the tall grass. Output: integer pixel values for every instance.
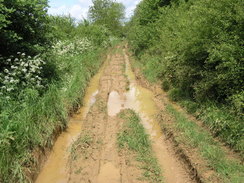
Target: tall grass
(28, 124)
(195, 137)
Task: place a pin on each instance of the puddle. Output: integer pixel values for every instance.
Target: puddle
(141, 100)
(115, 104)
(109, 174)
(54, 170)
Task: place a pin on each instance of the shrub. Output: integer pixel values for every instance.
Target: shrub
(165, 85)
(175, 94)
(190, 106)
(21, 72)
(200, 46)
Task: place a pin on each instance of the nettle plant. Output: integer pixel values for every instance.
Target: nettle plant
(19, 73)
(74, 47)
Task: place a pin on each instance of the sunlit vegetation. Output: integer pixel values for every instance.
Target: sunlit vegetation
(195, 49)
(134, 138)
(45, 65)
(193, 136)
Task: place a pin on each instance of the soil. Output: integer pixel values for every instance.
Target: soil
(92, 155)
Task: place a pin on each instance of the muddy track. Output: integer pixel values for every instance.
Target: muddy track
(99, 159)
(94, 157)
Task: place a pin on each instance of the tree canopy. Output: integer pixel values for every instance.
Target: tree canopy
(23, 26)
(108, 13)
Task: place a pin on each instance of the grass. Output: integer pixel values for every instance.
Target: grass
(82, 143)
(30, 124)
(134, 138)
(221, 120)
(195, 137)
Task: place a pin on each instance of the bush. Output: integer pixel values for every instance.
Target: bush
(190, 106)
(196, 46)
(24, 27)
(165, 85)
(223, 125)
(175, 94)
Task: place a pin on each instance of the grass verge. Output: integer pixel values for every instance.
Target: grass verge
(30, 125)
(221, 120)
(134, 138)
(194, 137)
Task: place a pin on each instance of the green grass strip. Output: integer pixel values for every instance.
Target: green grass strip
(134, 138)
(195, 136)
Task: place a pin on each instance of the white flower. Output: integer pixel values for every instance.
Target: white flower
(23, 54)
(24, 70)
(10, 89)
(6, 70)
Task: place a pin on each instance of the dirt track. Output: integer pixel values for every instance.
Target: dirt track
(100, 161)
(94, 156)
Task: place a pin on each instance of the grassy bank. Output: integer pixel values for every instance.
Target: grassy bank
(134, 138)
(29, 123)
(220, 119)
(193, 136)
(194, 49)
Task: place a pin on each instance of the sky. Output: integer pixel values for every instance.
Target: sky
(79, 8)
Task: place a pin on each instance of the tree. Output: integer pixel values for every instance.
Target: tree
(108, 13)
(23, 26)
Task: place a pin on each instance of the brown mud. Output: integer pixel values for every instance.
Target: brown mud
(55, 169)
(88, 151)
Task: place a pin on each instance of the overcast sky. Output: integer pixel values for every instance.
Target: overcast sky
(79, 8)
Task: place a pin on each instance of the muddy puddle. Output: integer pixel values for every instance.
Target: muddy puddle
(55, 168)
(141, 100)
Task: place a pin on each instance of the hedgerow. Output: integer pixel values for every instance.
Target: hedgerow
(196, 46)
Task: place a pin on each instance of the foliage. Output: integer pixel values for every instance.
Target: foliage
(107, 13)
(76, 46)
(198, 49)
(24, 26)
(39, 87)
(224, 125)
(25, 72)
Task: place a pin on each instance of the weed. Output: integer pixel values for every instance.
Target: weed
(134, 138)
(82, 143)
(194, 136)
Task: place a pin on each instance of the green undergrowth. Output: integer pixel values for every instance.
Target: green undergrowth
(29, 124)
(194, 136)
(134, 138)
(194, 48)
(221, 120)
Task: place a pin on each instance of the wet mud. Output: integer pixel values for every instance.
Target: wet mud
(88, 151)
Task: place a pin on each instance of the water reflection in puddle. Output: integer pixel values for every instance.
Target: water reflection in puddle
(115, 104)
(140, 100)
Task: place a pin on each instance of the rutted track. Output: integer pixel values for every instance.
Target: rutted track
(95, 157)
